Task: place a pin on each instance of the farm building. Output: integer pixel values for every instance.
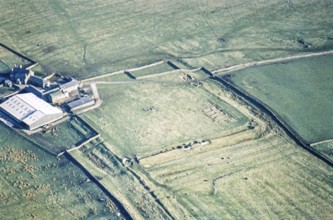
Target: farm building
(40, 92)
(58, 97)
(30, 111)
(71, 86)
(80, 103)
(64, 93)
(38, 81)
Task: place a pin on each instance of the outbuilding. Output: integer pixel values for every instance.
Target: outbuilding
(70, 86)
(80, 103)
(58, 97)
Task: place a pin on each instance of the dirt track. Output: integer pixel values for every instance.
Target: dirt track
(229, 69)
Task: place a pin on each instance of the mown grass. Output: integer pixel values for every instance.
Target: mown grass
(300, 92)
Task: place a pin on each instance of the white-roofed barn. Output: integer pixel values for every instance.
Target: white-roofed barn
(30, 110)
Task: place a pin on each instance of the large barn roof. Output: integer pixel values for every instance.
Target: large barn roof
(31, 110)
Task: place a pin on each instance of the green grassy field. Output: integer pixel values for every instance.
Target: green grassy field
(85, 38)
(243, 172)
(35, 185)
(300, 92)
(262, 178)
(140, 118)
(9, 59)
(248, 169)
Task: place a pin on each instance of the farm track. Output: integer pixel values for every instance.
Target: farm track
(227, 70)
(321, 142)
(98, 100)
